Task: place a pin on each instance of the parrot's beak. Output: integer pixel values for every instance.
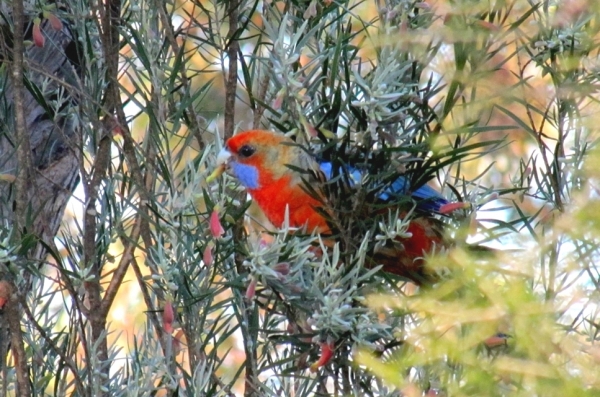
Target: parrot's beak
(222, 165)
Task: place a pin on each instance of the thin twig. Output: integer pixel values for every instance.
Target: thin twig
(119, 273)
(232, 56)
(194, 118)
(23, 146)
(67, 361)
(262, 96)
(13, 312)
(13, 317)
(109, 20)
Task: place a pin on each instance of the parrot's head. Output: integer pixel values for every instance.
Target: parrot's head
(258, 157)
(274, 170)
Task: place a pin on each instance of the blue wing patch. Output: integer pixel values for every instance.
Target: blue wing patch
(428, 199)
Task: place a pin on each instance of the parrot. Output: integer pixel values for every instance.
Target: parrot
(270, 167)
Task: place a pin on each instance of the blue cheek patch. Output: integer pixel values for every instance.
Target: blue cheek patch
(246, 174)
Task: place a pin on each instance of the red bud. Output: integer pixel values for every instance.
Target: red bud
(117, 131)
(168, 317)
(38, 37)
(279, 99)
(451, 207)
(5, 290)
(54, 21)
(327, 350)
(487, 25)
(496, 340)
(207, 255)
(216, 229)
(282, 268)
(251, 290)
(265, 241)
(309, 129)
(403, 28)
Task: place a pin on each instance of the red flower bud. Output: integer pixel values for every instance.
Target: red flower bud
(403, 28)
(279, 99)
(283, 268)
(499, 339)
(488, 25)
(327, 350)
(168, 317)
(5, 290)
(38, 37)
(451, 207)
(117, 131)
(54, 21)
(207, 255)
(216, 229)
(251, 290)
(309, 129)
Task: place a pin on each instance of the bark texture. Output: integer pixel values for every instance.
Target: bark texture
(50, 99)
(39, 157)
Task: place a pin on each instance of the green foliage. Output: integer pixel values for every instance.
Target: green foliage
(494, 103)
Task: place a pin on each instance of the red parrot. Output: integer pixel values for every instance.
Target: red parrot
(267, 164)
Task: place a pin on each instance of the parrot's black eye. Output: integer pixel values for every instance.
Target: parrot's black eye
(246, 151)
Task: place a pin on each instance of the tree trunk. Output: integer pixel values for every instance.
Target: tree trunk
(34, 193)
(54, 137)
